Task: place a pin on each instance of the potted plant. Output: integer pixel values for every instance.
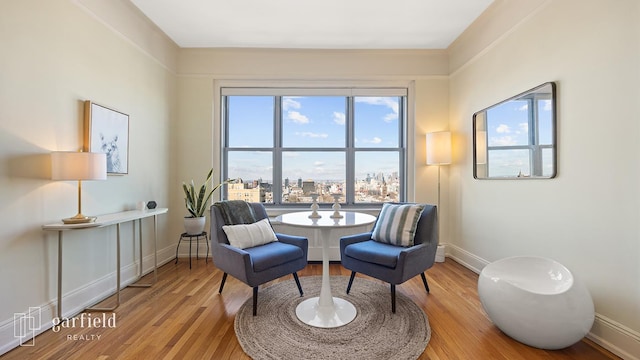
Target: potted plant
(196, 204)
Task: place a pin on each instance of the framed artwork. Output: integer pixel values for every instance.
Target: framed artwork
(107, 131)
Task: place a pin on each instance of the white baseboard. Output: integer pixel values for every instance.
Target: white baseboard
(609, 334)
(465, 258)
(75, 301)
(615, 337)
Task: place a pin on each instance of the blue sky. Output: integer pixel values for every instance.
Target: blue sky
(313, 121)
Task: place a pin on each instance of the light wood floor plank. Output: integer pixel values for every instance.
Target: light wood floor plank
(183, 317)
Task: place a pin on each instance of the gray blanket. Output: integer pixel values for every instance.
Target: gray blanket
(236, 212)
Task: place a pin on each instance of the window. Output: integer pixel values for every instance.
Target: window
(282, 145)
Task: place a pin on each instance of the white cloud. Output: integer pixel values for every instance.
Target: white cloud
(502, 141)
(318, 163)
(390, 102)
(375, 140)
(339, 118)
(524, 107)
(290, 103)
(547, 105)
(503, 129)
(524, 127)
(297, 117)
(313, 135)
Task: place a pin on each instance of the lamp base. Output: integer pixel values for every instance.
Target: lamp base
(79, 219)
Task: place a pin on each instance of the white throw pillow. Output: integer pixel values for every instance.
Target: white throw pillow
(249, 235)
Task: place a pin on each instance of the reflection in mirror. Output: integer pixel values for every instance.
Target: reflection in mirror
(516, 138)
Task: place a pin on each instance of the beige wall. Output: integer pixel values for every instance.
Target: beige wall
(586, 218)
(55, 55)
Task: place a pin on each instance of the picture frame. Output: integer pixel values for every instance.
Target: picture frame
(107, 131)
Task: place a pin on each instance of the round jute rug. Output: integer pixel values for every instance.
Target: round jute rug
(375, 333)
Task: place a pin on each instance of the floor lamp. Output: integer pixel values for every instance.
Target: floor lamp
(78, 166)
(439, 153)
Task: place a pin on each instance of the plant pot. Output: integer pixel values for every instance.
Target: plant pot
(194, 226)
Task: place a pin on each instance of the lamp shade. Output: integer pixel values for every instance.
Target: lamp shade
(439, 148)
(67, 165)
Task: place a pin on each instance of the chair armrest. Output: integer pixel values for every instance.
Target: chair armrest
(233, 261)
(299, 241)
(417, 259)
(352, 239)
(293, 240)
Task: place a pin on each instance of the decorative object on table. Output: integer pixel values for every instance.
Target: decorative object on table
(260, 264)
(141, 205)
(196, 204)
(107, 131)
(412, 232)
(536, 301)
(336, 207)
(314, 207)
(78, 166)
(151, 205)
(278, 334)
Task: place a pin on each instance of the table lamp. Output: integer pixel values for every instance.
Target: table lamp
(67, 165)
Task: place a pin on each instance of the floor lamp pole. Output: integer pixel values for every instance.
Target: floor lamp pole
(438, 204)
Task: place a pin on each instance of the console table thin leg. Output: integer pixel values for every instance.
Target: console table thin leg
(101, 309)
(60, 274)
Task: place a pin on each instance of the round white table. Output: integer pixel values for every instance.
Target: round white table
(326, 311)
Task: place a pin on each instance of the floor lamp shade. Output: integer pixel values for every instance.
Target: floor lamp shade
(78, 166)
(439, 148)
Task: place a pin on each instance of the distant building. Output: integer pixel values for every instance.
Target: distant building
(308, 187)
(240, 191)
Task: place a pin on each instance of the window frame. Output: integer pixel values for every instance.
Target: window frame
(279, 89)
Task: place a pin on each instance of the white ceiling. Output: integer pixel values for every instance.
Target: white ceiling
(321, 24)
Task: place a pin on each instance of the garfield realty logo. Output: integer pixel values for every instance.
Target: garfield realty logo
(25, 326)
(85, 321)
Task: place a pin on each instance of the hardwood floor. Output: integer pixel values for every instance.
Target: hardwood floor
(183, 316)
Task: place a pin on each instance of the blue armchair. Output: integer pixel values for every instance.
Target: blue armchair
(391, 263)
(259, 264)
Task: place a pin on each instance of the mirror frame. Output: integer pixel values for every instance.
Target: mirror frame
(481, 141)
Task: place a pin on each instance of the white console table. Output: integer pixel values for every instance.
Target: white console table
(108, 220)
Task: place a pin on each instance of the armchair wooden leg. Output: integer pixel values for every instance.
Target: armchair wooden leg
(393, 298)
(353, 274)
(424, 281)
(295, 277)
(224, 278)
(255, 301)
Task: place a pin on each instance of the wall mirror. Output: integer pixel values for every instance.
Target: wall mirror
(516, 138)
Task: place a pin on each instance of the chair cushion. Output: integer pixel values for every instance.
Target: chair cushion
(250, 235)
(397, 224)
(374, 252)
(273, 254)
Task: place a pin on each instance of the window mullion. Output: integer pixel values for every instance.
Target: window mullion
(350, 153)
(277, 151)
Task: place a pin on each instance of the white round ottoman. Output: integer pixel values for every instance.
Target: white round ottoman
(536, 301)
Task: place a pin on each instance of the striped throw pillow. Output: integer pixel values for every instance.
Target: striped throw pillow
(396, 224)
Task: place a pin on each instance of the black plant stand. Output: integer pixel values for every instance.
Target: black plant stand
(191, 238)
